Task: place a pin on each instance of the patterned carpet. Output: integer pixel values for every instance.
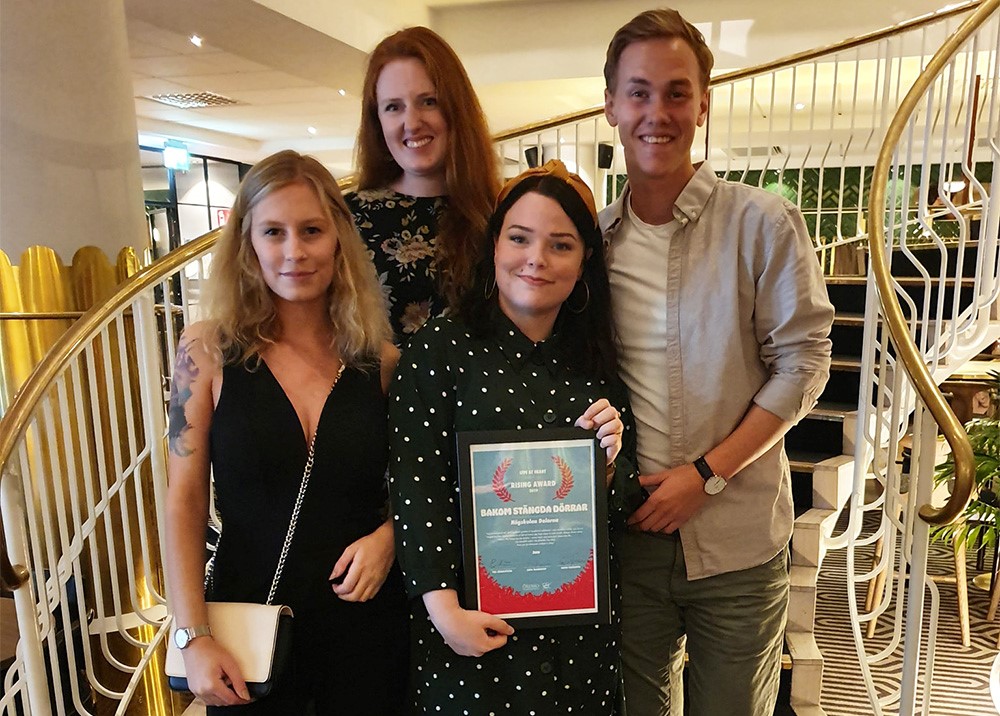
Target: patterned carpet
(960, 684)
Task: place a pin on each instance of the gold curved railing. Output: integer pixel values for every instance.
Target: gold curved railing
(16, 420)
(906, 348)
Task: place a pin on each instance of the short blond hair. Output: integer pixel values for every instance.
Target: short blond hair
(241, 308)
(664, 23)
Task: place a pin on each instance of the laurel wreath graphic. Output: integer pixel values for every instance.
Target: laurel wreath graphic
(567, 478)
(499, 488)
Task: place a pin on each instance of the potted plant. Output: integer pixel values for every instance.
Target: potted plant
(980, 523)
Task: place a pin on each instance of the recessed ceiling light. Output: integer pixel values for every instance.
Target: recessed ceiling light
(311, 130)
(800, 106)
(195, 40)
(342, 92)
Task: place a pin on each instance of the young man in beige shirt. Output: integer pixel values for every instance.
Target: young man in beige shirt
(723, 323)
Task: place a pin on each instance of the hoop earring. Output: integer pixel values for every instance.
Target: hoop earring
(586, 301)
(488, 293)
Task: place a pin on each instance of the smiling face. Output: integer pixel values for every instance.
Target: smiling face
(539, 258)
(414, 126)
(657, 104)
(295, 242)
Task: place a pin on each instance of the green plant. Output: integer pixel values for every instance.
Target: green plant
(980, 523)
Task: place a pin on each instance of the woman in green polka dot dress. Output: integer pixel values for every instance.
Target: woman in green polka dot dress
(530, 346)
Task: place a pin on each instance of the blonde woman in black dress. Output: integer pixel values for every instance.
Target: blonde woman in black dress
(295, 350)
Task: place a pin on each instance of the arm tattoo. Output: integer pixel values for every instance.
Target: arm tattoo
(185, 373)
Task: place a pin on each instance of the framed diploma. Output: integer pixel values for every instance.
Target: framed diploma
(535, 526)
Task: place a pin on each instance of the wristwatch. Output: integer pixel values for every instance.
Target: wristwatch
(714, 483)
(184, 637)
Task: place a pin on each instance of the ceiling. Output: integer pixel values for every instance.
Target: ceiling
(291, 65)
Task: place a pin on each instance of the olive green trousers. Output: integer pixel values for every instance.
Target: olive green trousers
(731, 626)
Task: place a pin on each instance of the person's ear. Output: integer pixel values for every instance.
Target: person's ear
(703, 106)
(609, 108)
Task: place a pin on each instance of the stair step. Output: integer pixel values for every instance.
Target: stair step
(846, 363)
(847, 318)
(819, 435)
(805, 461)
(807, 670)
(801, 599)
(809, 536)
(849, 294)
(817, 517)
(801, 577)
(831, 410)
(843, 386)
(857, 320)
(833, 481)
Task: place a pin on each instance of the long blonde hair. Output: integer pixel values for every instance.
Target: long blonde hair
(472, 172)
(241, 308)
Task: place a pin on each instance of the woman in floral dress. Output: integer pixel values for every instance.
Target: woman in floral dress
(428, 175)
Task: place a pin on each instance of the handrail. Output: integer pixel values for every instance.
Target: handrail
(347, 183)
(40, 315)
(15, 421)
(906, 348)
(742, 74)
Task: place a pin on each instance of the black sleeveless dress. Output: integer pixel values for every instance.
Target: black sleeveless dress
(349, 657)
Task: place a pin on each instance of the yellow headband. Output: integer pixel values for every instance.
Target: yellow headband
(555, 168)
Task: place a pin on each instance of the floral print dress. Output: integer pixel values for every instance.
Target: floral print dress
(400, 232)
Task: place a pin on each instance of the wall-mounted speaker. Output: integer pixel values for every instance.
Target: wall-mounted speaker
(531, 157)
(605, 155)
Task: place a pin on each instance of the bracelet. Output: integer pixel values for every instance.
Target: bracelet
(611, 468)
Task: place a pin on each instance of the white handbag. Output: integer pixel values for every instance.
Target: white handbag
(257, 635)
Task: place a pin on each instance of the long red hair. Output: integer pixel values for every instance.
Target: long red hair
(472, 173)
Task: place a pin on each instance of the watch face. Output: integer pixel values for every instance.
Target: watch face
(714, 485)
(181, 638)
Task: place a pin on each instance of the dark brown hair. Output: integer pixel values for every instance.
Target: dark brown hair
(471, 168)
(664, 23)
(585, 336)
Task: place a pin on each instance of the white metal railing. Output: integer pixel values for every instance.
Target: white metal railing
(808, 128)
(82, 491)
(944, 141)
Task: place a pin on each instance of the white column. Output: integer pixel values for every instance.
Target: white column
(69, 160)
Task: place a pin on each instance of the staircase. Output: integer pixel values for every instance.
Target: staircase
(821, 458)
(821, 449)
(940, 306)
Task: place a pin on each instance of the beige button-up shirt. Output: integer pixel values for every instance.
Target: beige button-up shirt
(730, 309)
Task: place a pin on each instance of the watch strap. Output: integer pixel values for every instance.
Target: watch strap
(706, 472)
(200, 630)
